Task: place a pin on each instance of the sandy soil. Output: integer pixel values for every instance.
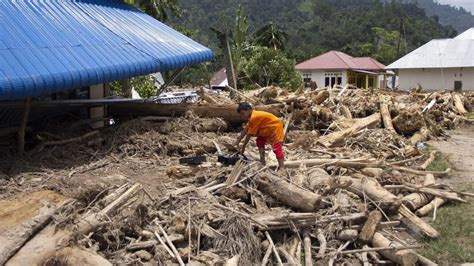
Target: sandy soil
(459, 149)
(23, 207)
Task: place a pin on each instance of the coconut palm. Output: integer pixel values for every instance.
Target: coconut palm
(271, 37)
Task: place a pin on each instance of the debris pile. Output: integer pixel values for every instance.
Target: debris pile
(354, 191)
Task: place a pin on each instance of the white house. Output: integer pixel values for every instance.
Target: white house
(338, 68)
(439, 64)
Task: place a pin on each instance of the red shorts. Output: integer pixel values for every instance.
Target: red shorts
(277, 148)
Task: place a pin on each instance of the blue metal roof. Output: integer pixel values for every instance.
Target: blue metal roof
(53, 45)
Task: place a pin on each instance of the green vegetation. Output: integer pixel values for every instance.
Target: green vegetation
(440, 163)
(455, 224)
(470, 115)
(143, 85)
(384, 29)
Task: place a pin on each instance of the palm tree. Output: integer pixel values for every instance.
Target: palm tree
(271, 37)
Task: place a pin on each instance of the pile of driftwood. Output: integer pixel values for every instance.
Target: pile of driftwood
(355, 189)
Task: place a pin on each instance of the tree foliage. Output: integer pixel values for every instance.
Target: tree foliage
(267, 66)
(317, 26)
(269, 36)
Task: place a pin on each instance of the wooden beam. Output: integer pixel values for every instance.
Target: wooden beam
(24, 122)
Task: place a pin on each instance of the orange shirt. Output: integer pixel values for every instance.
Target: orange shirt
(265, 125)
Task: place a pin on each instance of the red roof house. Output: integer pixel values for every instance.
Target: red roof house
(338, 68)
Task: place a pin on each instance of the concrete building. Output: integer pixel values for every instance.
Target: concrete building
(338, 68)
(439, 65)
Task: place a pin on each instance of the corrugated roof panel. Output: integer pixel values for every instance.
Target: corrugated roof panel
(52, 45)
(446, 53)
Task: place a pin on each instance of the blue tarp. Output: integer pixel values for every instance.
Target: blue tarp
(53, 45)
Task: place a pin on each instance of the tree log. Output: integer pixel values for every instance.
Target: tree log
(308, 261)
(336, 137)
(346, 163)
(347, 235)
(320, 97)
(226, 112)
(420, 136)
(402, 257)
(458, 103)
(387, 119)
(49, 240)
(371, 188)
(435, 203)
(287, 193)
(423, 261)
(284, 220)
(372, 172)
(72, 256)
(42, 145)
(370, 226)
(415, 201)
(416, 224)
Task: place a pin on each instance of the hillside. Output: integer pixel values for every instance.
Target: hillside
(361, 28)
(459, 18)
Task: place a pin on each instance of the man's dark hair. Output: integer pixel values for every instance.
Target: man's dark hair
(244, 106)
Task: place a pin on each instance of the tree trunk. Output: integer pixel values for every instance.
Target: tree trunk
(387, 119)
(346, 163)
(370, 226)
(416, 200)
(368, 187)
(49, 240)
(458, 103)
(402, 257)
(287, 193)
(337, 137)
(416, 224)
(320, 97)
(226, 112)
(420, 136)
(425, 210)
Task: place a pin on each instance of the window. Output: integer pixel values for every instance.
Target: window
(339, 80)
(327, 82)
(333, 81)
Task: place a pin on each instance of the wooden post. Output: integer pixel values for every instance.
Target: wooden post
(126, 88)
(229, 66)
(24, 122)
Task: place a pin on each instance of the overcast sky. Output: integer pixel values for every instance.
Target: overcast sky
(467, 4)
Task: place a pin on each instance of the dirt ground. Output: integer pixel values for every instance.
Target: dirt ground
(459, 150)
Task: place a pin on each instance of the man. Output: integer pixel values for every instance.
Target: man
(266, 127)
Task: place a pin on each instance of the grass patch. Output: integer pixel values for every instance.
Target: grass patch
(455, 223)
(440, 163)
(470, 115)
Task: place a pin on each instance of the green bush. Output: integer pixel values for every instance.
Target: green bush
(267, 66)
